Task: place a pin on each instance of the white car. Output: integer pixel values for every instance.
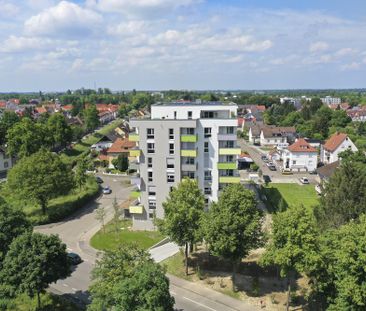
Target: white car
(107, 190)
(304, 180)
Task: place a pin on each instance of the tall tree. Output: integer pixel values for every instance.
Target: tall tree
(183, 213)
(59, 130)
(12, 224)
(121, 163)
(100, 215)
(39, 178)
(26, 137)
(344, 196)
(233, 225)
(91, 118)
(80, 173)
(293, 243)
(7, 120)
(33, 262)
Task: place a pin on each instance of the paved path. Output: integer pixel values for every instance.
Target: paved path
(76, 233)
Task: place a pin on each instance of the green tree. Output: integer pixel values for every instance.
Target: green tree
(7, 120)
(80, 173)
(183, 213)
(344, 196)
(59, 130)
(100, 215)
(26, 137)
(121, 163)
(34, 261)
(39, 178)
(321, 121)
(233, 225)
(116, 215)
(12, 224)
(293, 243)
(91, 118)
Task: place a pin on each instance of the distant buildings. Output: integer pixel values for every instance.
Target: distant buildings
(328, 100)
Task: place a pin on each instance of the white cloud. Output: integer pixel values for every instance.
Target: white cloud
(130, 28)
(66, 18)
(14, 44)
(351, 66)
(319, 46)
(8, 9)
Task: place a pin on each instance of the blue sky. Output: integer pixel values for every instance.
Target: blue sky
(182, 44)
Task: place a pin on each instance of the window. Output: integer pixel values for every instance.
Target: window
(171, 189)
(170, 163)
(170, 177)
(151, 215)
(150, 148)
(230, 130)
(207, 132)
(188, 161)
(171, 148)
(206, 201)
(152, 204)
(175, 114)
(207, 190)
(171, 133)
(229, 158)
(149, 162)
(152, 190)
(150, 176)
(208, 176)
(6, 164)
(150, 134)
(293, 162)
(206, 147)
(188, 174)
(189, 114)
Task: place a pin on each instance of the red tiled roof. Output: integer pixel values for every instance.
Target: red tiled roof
(67, 107)
(261, 107)
(40, 110)
(301, 145)
(121, 145)
(244, 155)
(334, 141)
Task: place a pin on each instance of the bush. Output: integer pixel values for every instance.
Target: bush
(254, 167)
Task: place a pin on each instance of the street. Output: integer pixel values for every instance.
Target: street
(76, 232)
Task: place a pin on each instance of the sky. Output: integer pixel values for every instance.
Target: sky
(182, 44)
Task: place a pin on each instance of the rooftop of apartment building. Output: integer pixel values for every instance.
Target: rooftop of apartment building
(194, 103)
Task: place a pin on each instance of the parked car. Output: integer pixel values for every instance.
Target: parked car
(74, 258)
(287, 171)
(266, 179)
(107, 190)
(304, 180)
(272, 168)
(264, 158)
(99, 180)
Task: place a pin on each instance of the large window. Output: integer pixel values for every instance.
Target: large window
(149, 162)
(207, 132)
(206, 147)
(170, 163)
(208, 176)
(152, 190)
(150, 134)
(149, 176)
(171, 133)
(150, 148)
(170, 177)
(152, 204)
(171, 148)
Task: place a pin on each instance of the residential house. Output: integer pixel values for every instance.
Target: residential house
(357, 115)
(274, 136)
(254, 134)
(336, 144)
(300, 157)
(342, 106)
(244, 161)
(107, 112)
(105, 142)
(326, 171)
(6, 162)
(121, 147)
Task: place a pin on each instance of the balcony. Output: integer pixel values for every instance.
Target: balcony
(229, 151)
(134, 137)
(134, 165)
(229, 179)
(227, 166)
(135, 152)
(188, 153)
(188, 138)
(135, 194)
(136, 209)
(136, 180)
(189, 167)
(227, 137)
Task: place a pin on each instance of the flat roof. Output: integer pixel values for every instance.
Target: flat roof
(194, 103)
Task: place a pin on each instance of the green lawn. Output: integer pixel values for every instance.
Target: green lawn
(110, 239)
(292, 194)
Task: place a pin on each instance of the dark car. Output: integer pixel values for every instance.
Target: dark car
(74, 258)
(264, 158)
(99, 180)
(266, 179)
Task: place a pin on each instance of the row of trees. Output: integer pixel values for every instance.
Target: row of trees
(327, 244)
(29, 261)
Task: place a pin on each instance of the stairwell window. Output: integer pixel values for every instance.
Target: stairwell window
(189, 114)
(149, 176)
(150, 134)
(150, 148)
(171, 133)
(171, 148)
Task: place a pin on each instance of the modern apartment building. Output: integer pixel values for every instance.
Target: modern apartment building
(191, 139)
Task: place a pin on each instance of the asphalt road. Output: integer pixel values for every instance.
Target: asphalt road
(76, 233)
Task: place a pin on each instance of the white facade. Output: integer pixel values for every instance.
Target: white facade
(6, 162)
(272, 141)
(330, 156)
(300, 161)
(328, 100)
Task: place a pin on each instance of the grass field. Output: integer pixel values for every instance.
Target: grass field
(110, 239)
(292, 194)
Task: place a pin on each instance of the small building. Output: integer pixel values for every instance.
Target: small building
(254, 134)
(326, 171)
(6, 162)
(300, 157)
(336, 144)
(105, 142)
(272, 135)
(121, 146)
(244, 161)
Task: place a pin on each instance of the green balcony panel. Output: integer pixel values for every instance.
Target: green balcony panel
(135, 152)
(226, 166)
(188, 138)
(135, 194)
(134, 137)
(229, 180)
(229, 151)
(188, 153)
(136, 209)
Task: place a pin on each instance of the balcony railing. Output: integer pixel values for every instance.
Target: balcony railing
(135, 194)
(135, 152)
(229, 151)
(134, 137)
(227, 166)
(189, 153)
(229, 179)
(188, 138)
(136, 209)
(227, 137)
(189, 167)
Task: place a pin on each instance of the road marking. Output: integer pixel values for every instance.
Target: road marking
(65, 285)
(200, 304)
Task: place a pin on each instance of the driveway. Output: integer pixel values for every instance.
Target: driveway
(76, 233)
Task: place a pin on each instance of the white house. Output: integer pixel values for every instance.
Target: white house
(273, 136)
(336, 144)
(6, 161)
(300, 156)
